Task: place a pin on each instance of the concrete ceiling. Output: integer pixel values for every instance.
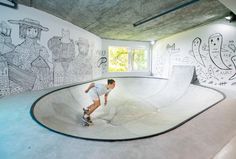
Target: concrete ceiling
(114, 19)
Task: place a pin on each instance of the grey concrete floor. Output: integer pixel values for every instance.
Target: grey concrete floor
(203, 137)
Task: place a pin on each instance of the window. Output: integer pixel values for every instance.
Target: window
(139, 60)
(118, 59)
(127, 59)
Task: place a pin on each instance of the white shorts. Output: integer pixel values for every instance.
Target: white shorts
(93, 95)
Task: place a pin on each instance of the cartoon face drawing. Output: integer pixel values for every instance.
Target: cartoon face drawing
(29, 28)
(32, 32)
(215, 44)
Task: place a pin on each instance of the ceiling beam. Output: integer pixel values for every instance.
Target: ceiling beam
(178, 6)
(9, 3)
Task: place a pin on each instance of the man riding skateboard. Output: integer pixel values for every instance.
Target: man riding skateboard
(95, 90)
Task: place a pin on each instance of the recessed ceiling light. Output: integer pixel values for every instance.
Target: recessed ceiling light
(153, 42)
(231, 17)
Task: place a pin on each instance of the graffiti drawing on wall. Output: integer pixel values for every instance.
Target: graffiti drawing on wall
(196, 51)
(84, 59)
(232, 46)
(28, 65)
(102, 61)
(215, 42)
(176, 56)
(63, 53)
(214, 59)
(25, 54)
(212, 73)
(5, 47)
(171, 49)
(5, 38)
(4, 79)
(233, 59)
(201, 74)
(166, 60)
(22, 64)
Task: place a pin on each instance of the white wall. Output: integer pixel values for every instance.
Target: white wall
(64, 53)
(215, 64)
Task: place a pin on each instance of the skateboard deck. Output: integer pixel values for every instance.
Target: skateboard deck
(85, 122)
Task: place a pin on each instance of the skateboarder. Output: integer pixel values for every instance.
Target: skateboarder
(95, 90)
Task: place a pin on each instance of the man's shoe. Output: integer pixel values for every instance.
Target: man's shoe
(89, 120)
(85, 111)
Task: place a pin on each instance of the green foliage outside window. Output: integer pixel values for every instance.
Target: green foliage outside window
(139, 62)
(123, 59)
(118, 59)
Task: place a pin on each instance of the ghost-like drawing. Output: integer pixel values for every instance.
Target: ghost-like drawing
(215, 45)
(196, 51)
(233, 59)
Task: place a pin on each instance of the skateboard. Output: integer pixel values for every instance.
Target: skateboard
(85, 122)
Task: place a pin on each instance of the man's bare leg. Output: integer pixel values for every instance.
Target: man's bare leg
(93, 107)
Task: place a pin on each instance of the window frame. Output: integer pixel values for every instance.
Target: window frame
(131, 45)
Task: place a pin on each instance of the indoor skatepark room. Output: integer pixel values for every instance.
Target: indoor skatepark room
(174, 68)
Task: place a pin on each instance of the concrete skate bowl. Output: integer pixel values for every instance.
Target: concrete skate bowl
(138, 107)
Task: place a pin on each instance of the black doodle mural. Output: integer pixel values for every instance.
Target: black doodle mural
(220, 59)
(29, 57)
(201, 75)
(5, 38)
(23, 64)
(232, 46)
(214, 58)
(63, 53)
(6, 46)
(84, 59)
(175, 55)
(102, 62)
(196, 51)
(215, 42)
(212, 74)
(31, 66)
(233, 59)
(172, 49)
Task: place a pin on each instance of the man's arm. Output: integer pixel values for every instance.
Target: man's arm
(89, 87)
(105, 98)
